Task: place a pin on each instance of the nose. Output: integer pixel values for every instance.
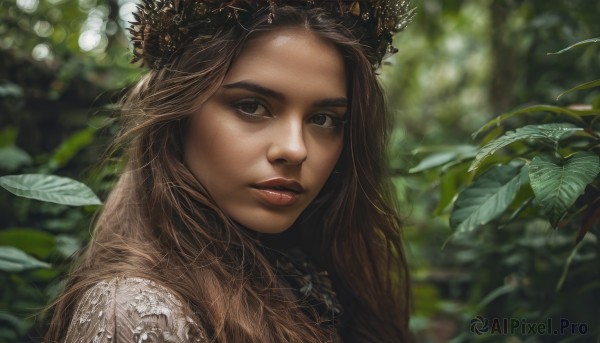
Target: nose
(287, 144)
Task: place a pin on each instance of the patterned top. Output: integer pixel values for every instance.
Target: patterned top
(312, 287)
(132, 310)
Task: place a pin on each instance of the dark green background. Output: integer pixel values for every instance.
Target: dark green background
(64, 63)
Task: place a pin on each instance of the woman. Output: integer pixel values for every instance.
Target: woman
(255, 205)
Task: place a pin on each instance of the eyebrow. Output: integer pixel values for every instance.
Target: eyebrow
(256, 89)
(331, 102)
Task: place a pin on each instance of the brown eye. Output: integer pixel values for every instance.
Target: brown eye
(251, 108)
(326, 121)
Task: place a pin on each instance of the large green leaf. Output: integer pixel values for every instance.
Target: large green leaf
(34, 242)
(50, 188)
(487, 198)
(552, 133)
(13, 260)
(558, 182)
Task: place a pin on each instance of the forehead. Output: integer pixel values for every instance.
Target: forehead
(290, 58)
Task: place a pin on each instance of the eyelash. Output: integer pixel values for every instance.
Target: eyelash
(335, 121)
(245, 102)
(238, 105)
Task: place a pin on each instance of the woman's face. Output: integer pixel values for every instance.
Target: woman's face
(265, 143)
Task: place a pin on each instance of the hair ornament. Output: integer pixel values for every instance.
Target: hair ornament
(163, 27)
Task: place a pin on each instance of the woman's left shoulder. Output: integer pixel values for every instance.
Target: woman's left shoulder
(132, 309)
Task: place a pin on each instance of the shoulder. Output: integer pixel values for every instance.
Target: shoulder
(127, 309)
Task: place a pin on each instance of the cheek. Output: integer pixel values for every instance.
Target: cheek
(218, 152)
(204, 147)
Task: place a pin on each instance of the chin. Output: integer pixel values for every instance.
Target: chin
(269, 229)
(267, 226)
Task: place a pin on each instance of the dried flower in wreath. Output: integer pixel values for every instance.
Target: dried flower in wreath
(162, 27)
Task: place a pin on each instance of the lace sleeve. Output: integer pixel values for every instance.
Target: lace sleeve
(132, 310)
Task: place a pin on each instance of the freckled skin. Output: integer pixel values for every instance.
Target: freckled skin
(242, 136)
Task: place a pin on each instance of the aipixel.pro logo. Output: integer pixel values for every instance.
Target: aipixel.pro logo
(513, 326)
(480, 325)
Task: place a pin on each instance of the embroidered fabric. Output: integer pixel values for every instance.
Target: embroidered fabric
(312, 287)
(129, 309)
(132, 310)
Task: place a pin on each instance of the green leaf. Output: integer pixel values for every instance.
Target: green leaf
(13, 158)
(67, 245)
(34, 242)
(558, 182)
(495, 294)
(583, 42)
(433, 161)
(13, 260)
(65, 152)
(50, 188)
(487, 198)
(8, 135)
(516, 213)
(574, 114)
(446, 155)
(586, 85)
(9, 327)
(552, 133)
(449, 182)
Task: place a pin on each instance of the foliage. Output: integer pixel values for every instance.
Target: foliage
(63, 62)
(37, 242)
(548, 169)
(50, 188)
(488, 197)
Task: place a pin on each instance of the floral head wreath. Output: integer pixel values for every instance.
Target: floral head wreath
(162, 27)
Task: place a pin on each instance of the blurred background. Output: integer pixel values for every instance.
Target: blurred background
(64, 64)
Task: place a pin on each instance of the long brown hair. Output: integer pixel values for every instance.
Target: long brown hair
(161, 224)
